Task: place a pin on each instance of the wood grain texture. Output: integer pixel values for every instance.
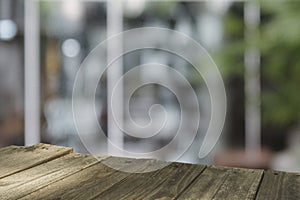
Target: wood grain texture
(14, 159)
(90, 182)
(165, 183)
(224, 183)
(32, 179)
(279, 185)
(50, 172)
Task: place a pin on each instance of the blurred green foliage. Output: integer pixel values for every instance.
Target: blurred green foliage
(280, 47)
(231, 55)
(279, 42)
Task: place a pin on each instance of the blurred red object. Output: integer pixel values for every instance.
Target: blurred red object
(239, 158)
(11, 130)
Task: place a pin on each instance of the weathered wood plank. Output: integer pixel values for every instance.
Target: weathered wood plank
(51, 172)
(240, 184)
(27, 181)
(279, 185)
(7, 148)
(224, 183)
(88, 183)
(165, 183)
(14, 159)
(206, 185)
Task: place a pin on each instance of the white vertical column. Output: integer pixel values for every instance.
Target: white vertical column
(32, 72)
(115, 71)
(252, 80)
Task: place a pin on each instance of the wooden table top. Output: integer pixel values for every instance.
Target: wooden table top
(45, 171)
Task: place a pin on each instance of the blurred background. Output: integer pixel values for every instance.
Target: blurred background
(255, 44)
